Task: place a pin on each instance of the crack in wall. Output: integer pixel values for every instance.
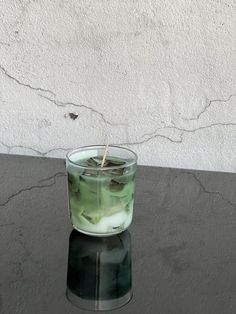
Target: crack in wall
(40, 153)
(208, 105)
(57, 102)
(151, 136)
(56, 149)
(12, 196)
(39, 89)
(182, 131)
(91, 109)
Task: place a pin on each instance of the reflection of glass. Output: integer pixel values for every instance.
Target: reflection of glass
(99, 271)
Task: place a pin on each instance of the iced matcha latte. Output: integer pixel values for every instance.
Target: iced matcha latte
(101, 193)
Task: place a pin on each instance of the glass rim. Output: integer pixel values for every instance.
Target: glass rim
(87, 147)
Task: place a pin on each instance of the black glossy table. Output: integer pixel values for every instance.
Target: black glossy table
(183, 240)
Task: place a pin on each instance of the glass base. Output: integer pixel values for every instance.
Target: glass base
(94, 234)
(98, 305)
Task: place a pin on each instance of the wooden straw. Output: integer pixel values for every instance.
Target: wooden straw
(105, 155)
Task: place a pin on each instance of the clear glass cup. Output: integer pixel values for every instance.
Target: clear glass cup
(101, 197)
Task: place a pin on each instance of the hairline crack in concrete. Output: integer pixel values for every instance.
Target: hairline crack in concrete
(204, 189)
(183, 131)
(56, 102)
(207, 106)
(12, 196)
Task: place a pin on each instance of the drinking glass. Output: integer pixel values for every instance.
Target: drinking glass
(101, 194)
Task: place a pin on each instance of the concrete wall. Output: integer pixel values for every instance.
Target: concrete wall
(156, 76)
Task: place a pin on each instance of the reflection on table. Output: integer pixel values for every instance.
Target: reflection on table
(99, 271)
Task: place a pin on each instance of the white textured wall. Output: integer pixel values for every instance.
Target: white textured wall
(157, 76)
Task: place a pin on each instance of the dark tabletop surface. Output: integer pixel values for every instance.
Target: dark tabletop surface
(183, 239)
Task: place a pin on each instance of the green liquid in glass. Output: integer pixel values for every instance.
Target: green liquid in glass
(101, 201)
